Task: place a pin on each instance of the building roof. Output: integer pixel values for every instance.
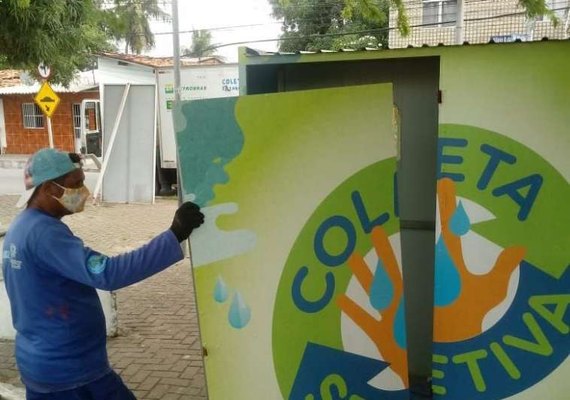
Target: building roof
(10, 77)
(252, 52)
(162, 62)
(84, 81)
(253, 56)
(33, 89)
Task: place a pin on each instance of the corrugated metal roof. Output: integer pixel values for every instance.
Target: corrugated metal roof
(162, 62)
(251, 52)
(33, 89)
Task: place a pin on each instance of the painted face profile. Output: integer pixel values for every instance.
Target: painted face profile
(215, 140)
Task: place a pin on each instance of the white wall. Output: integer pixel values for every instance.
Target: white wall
(3, 142)
(129, 176)
(196, 82)
(109, 71)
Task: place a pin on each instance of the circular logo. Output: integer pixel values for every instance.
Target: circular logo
(338, 324)
(501, 270)
(501, 280)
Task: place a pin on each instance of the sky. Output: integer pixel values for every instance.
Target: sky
(204, 14)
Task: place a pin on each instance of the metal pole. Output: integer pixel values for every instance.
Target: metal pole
(459, 20)
(176, 61)
(50, 132)
(176, 50)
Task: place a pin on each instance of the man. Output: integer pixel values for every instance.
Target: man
(51, 277)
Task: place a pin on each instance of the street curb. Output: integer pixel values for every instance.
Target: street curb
(9, 392)
(12, 164)
(20, 164)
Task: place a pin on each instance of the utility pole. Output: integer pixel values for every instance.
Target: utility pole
(459, 21)
(176, 50)
(176, 61)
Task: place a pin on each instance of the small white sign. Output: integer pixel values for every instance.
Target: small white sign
(44, 70)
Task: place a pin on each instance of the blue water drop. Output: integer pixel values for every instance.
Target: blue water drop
(447, 279)
(240, 313)
(400, 325)
(382, 289)
(221, 290)
(460, 223)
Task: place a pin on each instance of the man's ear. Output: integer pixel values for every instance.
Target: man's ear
(49, 189)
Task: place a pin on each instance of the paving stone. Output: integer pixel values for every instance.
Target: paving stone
(171, 396)
(158, 392)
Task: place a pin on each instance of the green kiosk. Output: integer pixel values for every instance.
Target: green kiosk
(382, 222)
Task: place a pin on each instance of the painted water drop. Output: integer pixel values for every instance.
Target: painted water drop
(447, 279)
(400, 325)
(221, 290)
(382, 289)
(460, 223)
(240, 313)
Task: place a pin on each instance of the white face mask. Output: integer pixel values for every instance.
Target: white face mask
(73, 199)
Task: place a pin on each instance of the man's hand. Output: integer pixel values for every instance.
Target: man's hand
(186, 219)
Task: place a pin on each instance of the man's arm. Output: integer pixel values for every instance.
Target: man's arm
(62, 252)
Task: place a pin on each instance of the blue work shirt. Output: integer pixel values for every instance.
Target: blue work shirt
(50, 279)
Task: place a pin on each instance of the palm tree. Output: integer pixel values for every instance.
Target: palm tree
(128, 20)
(201, 45)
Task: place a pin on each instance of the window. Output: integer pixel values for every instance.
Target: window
(559, 7)
(77, 120)
(32, 116)
(439, 12)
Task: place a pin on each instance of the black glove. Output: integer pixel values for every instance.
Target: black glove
(186, 219)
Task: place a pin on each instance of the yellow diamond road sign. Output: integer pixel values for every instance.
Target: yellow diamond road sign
(47, 100)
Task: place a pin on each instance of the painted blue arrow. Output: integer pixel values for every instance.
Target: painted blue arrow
(330, 374)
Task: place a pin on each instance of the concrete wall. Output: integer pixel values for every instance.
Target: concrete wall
(2, 129)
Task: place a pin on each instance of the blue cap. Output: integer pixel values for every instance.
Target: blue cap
(45, 165)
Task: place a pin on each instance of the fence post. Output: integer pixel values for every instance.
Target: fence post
(459, 20)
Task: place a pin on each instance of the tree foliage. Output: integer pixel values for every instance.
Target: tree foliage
(201, 45)
(62, 33)
(325, 24)
(128, 21)
(335, 24)
(537, 8)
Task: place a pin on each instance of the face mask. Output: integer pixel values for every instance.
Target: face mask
(73, 199)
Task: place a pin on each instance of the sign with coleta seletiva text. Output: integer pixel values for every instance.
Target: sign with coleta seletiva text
(298, 267)
(502, 280)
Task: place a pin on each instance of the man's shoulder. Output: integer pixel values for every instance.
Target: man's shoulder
(33, 222)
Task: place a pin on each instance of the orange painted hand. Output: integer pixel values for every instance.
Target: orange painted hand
(380, 331)
(462, 318)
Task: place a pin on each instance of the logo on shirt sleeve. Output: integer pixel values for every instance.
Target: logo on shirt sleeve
(10, 257)
(97, 263)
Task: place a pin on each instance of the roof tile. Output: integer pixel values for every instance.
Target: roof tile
(161, 62)
(10, 77)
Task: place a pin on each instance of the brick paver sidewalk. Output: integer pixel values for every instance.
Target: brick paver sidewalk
(157, 351)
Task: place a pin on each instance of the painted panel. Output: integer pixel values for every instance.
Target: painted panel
(298, 266)
(502, 285)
